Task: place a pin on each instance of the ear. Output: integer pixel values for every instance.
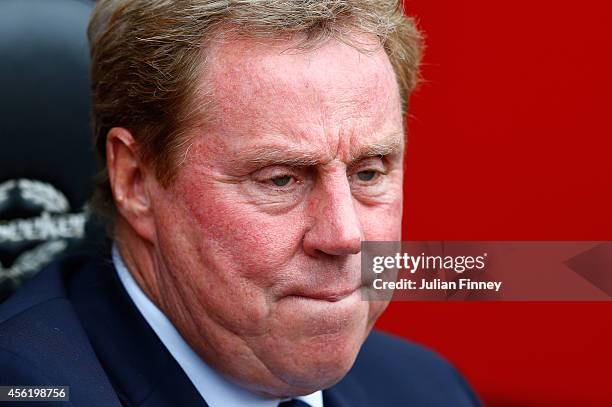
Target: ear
(128, 178)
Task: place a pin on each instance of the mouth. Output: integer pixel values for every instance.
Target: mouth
(334, 295)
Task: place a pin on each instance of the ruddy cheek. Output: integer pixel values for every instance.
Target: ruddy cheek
(255, 242)
(382, 223)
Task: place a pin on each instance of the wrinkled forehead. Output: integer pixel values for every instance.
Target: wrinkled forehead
(268, 85)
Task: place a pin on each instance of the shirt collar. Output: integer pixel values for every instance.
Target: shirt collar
(219, 392)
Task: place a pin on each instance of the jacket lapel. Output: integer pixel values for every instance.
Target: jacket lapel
(346, 393)
(140, 368)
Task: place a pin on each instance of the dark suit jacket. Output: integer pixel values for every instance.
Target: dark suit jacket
(74, 325)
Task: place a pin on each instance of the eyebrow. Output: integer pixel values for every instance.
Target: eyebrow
(263, 156)
(392, 143)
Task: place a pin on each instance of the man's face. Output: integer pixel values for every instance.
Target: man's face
(258, 239)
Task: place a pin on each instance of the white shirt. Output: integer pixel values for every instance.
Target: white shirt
(219, 391)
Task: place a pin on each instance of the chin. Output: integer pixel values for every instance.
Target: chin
(332, 362)
(315, 363)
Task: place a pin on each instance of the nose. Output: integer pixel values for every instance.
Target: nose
(335, 226)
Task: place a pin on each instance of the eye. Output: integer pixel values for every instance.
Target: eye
(281, 181)
(366, 175)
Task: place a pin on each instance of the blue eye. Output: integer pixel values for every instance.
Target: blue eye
(281, 181)
(366, 175)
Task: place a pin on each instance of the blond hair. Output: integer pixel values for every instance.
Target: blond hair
(147, 56)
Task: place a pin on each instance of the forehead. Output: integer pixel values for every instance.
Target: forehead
(268, 87)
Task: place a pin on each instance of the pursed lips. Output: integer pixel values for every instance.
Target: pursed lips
(329, 295)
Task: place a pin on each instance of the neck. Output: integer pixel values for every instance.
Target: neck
(140, 259)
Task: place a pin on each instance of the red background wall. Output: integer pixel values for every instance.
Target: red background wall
(510, 138)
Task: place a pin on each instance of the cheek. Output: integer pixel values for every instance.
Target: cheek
(238, 242)
(382, 222)
(225, 258)
(246, 236)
